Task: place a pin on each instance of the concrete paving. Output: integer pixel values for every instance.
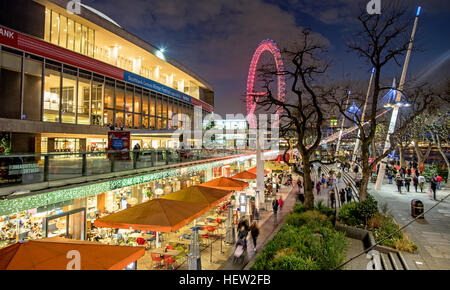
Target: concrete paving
(432, 234)
(267, 227)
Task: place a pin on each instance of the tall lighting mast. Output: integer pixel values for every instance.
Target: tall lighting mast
(397, 100)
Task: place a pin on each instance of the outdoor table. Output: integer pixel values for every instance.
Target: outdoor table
(134, 235)
(160, 251)
(183, 242)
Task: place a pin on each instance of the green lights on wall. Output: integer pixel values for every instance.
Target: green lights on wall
(12, 206)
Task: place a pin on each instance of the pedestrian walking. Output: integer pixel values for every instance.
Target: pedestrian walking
(280, 203)
(254, 232)
(433, 186)
(415, 181)
(422, 181)
(389, 175)
(332, 198)
(318, 188)
(407, 182)
(399, 182)
(275, 210)
(349, 192)
(439, 180)
(342, 195)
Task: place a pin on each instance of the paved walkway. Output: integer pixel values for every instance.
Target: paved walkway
(432, 234)
(266, 226)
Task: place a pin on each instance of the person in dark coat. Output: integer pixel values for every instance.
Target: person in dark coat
(342, 195)
(254, 232)
(332, 198)
(433, 186)
(349, 192)
(275, 209)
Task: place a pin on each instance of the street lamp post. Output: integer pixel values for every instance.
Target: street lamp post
(396, 107)
(342, 127)
(355, 151)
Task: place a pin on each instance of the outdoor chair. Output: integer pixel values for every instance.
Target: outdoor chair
(169, 260)
(156, 258)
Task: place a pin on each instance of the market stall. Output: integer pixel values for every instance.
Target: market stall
(51, 254)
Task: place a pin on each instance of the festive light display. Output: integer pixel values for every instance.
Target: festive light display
(270, 46)
(11, 206)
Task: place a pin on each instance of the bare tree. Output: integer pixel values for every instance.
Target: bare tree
(382, 40)
(302, 118)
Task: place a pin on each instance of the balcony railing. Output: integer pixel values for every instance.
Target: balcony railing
(29, 168)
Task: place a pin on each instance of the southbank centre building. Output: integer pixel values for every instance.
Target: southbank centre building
(67, 79)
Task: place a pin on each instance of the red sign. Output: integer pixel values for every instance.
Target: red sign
(120, 141)
(8, 37)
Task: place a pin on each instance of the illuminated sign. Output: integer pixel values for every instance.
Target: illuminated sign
(154, 86)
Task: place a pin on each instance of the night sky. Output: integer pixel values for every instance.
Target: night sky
(217, 38)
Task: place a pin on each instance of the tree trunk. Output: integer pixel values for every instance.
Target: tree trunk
(374, 149)
(366, 172)
(402, 155)
(364, 185)
(309, 194)
(421, 158)
(438, 143)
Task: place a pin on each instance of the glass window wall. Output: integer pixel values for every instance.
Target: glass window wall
(84, 99)
(97, 101)
(68, 98)
(52, 93)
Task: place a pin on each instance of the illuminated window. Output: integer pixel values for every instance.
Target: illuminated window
(70, 34)
(109, 95)
(78, 37)
(54, 34)
(91, 37)
(129, 100)
(84, 40)
(84, 99)
(128, 120)
(120, 98)
(63, 32)
(48, 28)
(158, 106)
(153, 104)
(137, 121)
(97, 101)
(152, 125)
(137, 101)
(68, 96)
(119, 119)
(108, 116)
(52, 93)
(145, 103)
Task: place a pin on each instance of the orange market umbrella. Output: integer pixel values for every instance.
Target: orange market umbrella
(226, 183)
(160, 215)
(253, 170)
(246, 175)
(200, 194)
(51, 254)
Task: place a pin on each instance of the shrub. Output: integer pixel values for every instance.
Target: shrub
(348, 214)
(357, 214)
(299, 208)
(305, 242)
(313, 218)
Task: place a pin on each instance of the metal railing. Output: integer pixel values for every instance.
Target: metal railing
(30, 168)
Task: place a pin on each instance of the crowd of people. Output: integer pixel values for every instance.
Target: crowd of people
(404, 176)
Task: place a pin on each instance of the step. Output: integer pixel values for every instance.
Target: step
(385, 261)
(396, 264)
